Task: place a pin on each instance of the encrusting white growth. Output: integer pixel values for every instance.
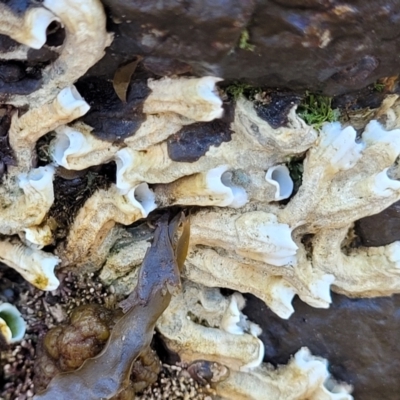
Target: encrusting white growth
(99, 214)
(344, 181)
(279, 176)
(256, 235)
(274, 285)
(126, 159)
(362, 272)
(374, 133)
(189, 327)
(27, 208)
(155, 129)
(38, 236)
(281, 295)
(84, 44)
(210, 188)
(240, 197)
(19, 53)
(70, 104)
(194, 98)
(76, 148)
(230, 321)
(57, 102)
(12, 325)
(36, 266)
(382, 185)
(39, 180)
(257, 249)
(29, 28)
(193, 340)
(25, 130)
(246, 149)
(338, 146)
(143, 198)
(233, 320)
(294, 137)
(260, 228)
(304, 377)
(121, 262)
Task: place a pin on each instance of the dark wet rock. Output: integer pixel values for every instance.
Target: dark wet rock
(112, 119)
(190, 32)
(7, 44)
(310, 4)
(359, 337)
(16, 78)
(357, 72)
(72, 191)
(18, 6)
(368, 97)
(6, 152)
(166, 67)
(200, 30)
(42, 56)
(276, 108)
(380, 229)
(194, 140)
(321, 45)
(12, 72)
(24, 77)
(167, 356)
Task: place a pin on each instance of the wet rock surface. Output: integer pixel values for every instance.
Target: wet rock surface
(6, 152)
(380, 229)
(193, 141)
(359, 337)
(19, 79)
(7, 44)
(72, 189)
(18, 6)
(196, 31)
(112, 119)
(321, 45)
(327, 45)
(276, 109)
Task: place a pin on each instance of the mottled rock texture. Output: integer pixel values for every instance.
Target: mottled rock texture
(329, 45)
(380, 229)
(359, 337)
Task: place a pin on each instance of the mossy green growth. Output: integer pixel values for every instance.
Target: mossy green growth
(317, 109)
(244, 41)
(379, 87)
(296, 170)
(238, 89)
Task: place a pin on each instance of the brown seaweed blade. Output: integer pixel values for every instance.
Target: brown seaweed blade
(122, 77)
(104, 376)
